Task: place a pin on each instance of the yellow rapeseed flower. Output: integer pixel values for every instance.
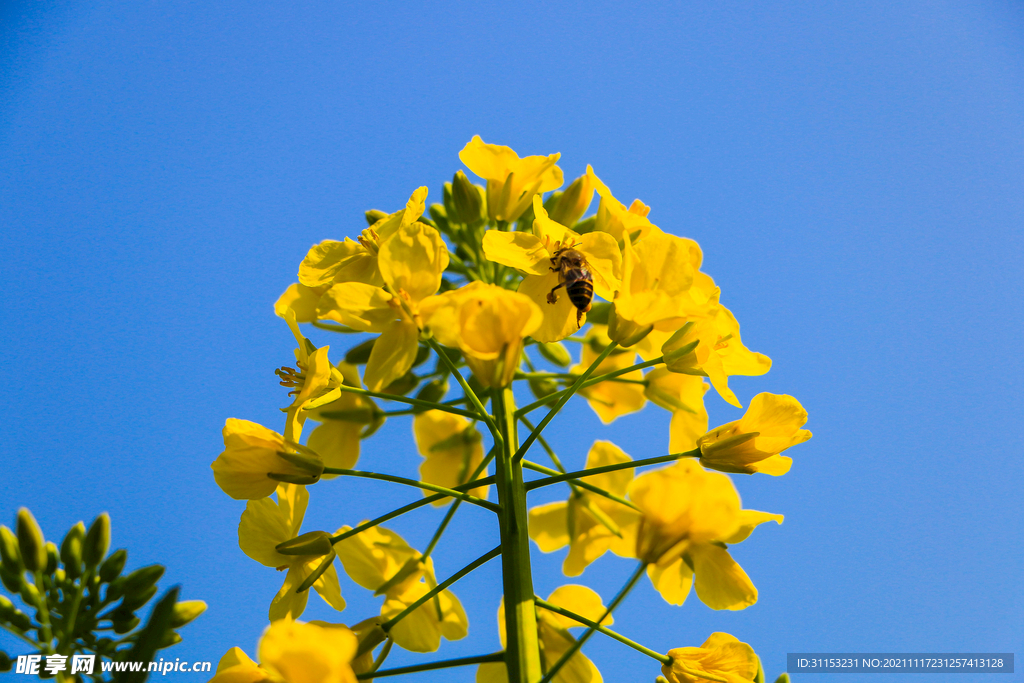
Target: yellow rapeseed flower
(256, 459)
(657, 274)
(751, 444)
(264, 525)
(554, 637)
(343, 423)
(615, 219)
(411, 262)
(511, 182)
(722, 657)
(719, 353)
(588, 523)
(293, 652)
(533, 254)
(488, 324)
(452, 448)
(381, 560)
(687, 517)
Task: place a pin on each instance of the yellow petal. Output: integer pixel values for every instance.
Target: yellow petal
(236, 667)
(337, 441)
(721, 583)
(604, 261)
(331, 262)
(372, 557)
(673, 582)
(520, 250)
(421, 630)
(413, 260)
(579, 599)
(250, 453)
(288, 604)
(492, 672)
(748, 521)
(560, 318)
(392, 356)
(306, 653)
(603, 454)
(301, 300)
(327, 586)
(775, 465)
(614, 218)
(360, 306)
(777, 418)
(263, 526)
(548, 526)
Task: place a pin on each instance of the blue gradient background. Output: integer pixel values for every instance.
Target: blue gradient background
(853, 172)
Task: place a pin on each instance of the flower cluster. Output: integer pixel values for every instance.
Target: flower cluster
(496, 283)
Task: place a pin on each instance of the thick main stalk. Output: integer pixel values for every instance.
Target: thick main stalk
(522, 651)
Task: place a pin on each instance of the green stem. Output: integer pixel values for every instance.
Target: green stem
(664, 659)
(384, 652)
(557, 478)
(69, 625)
(430, 666)
(565, 396)
(397, 512)
(470, 394)
(589, 383)
(574, 482)
(452, 493)
(430, 405)
(44, 612)
(522, 647)
(483, 559)
(591, 630)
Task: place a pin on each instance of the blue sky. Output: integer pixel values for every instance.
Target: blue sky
(853, 172)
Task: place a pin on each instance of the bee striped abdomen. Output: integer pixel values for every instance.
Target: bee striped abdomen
(581, 292)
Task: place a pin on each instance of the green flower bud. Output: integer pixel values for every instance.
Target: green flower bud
(584, 226)
(6, 608)
(440, 217)
(122, 627)
(186, 611)
(136, 600)
(542, 388)
(142, 579)
(52, 557)
(433, 391)
(573, 203)
(10, 580)
(783, 678)
(5, 662)
(170, 638)
(555, 352)
(29, 593)
(403, 385)
(626, 332)
(360, 353)
(71, 550)
(112, 566)
(374, 215)
(467, 199)
(599, 313)
(20, 621)
(311, 543)
(9, 553)
(97, 541)
(30, 541)
(320, 569)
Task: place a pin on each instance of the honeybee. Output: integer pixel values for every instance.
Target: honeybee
(573, 274)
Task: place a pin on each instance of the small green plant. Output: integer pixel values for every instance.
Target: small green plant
(81, 604)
